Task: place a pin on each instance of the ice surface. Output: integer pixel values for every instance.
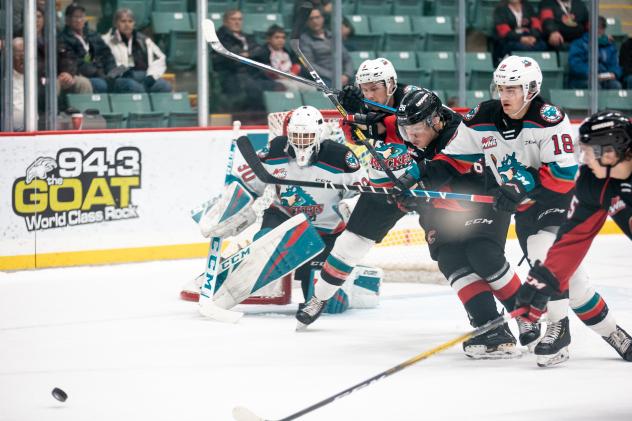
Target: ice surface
(121, 344)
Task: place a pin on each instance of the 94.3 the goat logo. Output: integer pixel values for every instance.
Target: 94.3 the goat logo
(77, 188)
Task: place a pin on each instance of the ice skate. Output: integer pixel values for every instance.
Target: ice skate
(621, 342)
(498, 343)
(529, 333)
(309, 313)
(553, 348)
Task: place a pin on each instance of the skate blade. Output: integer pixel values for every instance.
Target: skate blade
(502, 352)
(551, 360)
(300, 327)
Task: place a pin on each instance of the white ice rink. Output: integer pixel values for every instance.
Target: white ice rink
(123, 346)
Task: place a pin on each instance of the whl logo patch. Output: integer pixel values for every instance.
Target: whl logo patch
(489, 142)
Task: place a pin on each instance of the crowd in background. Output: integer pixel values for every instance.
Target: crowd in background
(125, 59)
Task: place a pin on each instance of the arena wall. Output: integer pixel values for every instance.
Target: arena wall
(90, 197)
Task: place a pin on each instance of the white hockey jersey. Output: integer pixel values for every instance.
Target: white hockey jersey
(537, 150)
(334, 163)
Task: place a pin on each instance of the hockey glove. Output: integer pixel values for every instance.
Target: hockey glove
(405, 202)
(350, 98)
(509, 196)
(536, 291)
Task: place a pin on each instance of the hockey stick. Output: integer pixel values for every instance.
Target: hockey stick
(207, 307)
(211, 37)
(250, 155)
(241, 413)
(294, 42)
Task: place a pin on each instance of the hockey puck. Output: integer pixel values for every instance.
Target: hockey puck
(59, 394)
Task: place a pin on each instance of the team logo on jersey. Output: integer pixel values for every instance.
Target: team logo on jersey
(431, 236)
(512, 169)
(395, 156)
(352, 161)
(550, 113)
(279, 172)
(489, 142)
(470, 114)
(296, 200)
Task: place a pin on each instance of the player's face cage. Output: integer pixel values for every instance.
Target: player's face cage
(302, 140)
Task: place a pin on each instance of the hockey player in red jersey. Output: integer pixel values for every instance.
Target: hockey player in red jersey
(604, 187)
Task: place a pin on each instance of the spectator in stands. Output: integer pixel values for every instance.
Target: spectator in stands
(136, 55)
(84, 53)
(18, 84)
(609, 69)
(348, 31)
(236, 79)
(317, 45)
(563, 21)
(625, 60)
(274, 54)
(517, 28)
(325, 7)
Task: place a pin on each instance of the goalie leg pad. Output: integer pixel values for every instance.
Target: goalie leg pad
(272, 256)
(228, 215)
(348, 251)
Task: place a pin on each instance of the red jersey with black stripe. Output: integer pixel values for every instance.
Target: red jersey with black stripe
(594, 200)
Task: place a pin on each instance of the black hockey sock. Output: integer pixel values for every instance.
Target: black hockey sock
(481, 308)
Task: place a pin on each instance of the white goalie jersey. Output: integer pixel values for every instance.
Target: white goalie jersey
(333, 163)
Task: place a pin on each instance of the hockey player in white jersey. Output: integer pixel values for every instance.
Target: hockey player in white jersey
(528, 145)
(304, 154)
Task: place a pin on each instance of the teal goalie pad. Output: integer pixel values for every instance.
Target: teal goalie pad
(227, 215)
(269, 258)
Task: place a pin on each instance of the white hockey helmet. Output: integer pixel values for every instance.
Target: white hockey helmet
(377, 70)
(519, 71)
(304, 133)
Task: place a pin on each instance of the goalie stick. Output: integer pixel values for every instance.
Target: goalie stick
(294, 43)
(250, 155)
(207, 307)
(241, 413)
(210, 35)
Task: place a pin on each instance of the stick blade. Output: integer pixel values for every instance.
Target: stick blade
(208, 29)
(212, 311)
(241, 413)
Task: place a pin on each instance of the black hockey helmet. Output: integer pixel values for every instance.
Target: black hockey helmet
(607, 129)
(418, 105)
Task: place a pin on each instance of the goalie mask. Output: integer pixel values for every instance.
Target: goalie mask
(378, 70)
(606, 132)
(518, 71)
(304, 134)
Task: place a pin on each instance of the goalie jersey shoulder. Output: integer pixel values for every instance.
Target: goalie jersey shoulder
(337, 158)
(275, 152)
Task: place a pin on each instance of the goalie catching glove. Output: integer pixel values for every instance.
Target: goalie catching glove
(230, 214)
